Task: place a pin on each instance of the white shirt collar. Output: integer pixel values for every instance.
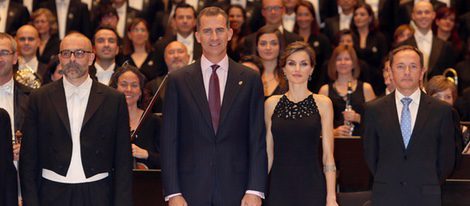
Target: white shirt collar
(80, 90)
(100, 69)
(7, 87)
(187, 40)
(289, 16)
(415, 97)
(32, 64)
(62, 2)
(424, 37)
(206, 64)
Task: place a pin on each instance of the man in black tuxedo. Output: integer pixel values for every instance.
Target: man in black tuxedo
(405, 10)
(8, 185)
(342, 21)
(14, 16)
(438, 54)
(408, 138)
(106, 47)
(27, 38)
(185, 22)
(213, 143)
(82, 156)
(272, 11)
(71, 15)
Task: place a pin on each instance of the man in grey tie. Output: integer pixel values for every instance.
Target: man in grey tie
(408, 137)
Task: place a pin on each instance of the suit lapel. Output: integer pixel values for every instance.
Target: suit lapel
(421, 117)
(57, 97)
(11, 14)
(196, 85)
(94, 102)
(435, 53)
(391, 108)
(232, 86)
(381, 5)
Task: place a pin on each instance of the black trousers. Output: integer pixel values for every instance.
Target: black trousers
(97, 193)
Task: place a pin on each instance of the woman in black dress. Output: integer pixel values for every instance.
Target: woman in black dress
(369, 43)
(145, 147)
(138, 51)
(343, 67)
(307, 27)
(270, 43)
(46, 24)
(294, 123)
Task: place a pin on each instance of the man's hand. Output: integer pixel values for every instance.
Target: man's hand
(16, 151)
(177, 201)
(251, 200)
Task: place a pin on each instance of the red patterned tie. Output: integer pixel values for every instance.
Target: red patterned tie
(214, 97)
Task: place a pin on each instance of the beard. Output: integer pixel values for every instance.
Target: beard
(73, 70)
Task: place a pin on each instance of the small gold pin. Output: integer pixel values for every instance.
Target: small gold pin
(240, 82)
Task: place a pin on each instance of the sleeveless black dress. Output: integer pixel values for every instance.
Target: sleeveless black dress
(339, 104)
(296, 176)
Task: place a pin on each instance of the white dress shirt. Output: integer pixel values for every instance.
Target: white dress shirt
(345, 21)
(424, 42)
(77, 100)
(193, 3)
(414, 105)
(239, 2)
(62, 10)
(3, 15)
(137, 4)
(447, 2)
(31, 64)
(89, 3)
(188, 42)
(288, 21)
(121, 26)
(7, 101)
(104, 75)
(29, 5)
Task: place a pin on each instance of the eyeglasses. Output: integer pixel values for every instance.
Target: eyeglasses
(77, 53)
(273, 8)
(6, 53)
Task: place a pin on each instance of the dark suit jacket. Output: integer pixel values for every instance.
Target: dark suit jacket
(148, 138)
(463, 105)
(412, 175)
(207, 167)
(405, 9)
(35, 3)
(248, 45)
(464, 75)
(8, 183)
(21, 95)
(160, 52)
(50, 51)
(441, 58)
(149, 91)
(327, 9)
(332, 28)
(17, 16)
(105, 144)
(78, 16)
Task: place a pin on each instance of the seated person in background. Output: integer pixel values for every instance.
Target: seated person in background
(176, 57)
(46, 24)
(390, 86)
(252, 62)
(145, 146)
(27, 39)
(138, 51)
(343, 68)
(8, 184)
(106, 47)
(402, 33)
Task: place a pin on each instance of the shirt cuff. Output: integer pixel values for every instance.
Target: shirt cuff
(167, 198)
(253, 192)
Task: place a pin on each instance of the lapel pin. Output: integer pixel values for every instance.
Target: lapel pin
(240, 82)
(70, 16)
(11, 13)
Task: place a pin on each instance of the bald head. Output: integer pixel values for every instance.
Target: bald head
(423, 15)
(78, 40)
(27, 38)
(176, 55)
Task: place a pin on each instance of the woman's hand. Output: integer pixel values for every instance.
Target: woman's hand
(351, 116)
(343, 130)
(138, 152)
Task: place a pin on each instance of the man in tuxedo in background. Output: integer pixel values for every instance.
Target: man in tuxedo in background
(213, 139)
(27, 38)
(408, 138)
(8, 184)
(71, 15)
(82, 156)
(13, 15)
(106, 47)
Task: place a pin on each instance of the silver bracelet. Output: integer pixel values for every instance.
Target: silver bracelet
(329, 168)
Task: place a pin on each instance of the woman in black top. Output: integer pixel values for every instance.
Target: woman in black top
(343, 68)
(138, 51)
(369, 43)
(307, 27)
(270, 43)
(444, 28)
(239, 25)
(145, 147)
(46, 24)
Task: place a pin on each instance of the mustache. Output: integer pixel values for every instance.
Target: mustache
(69, 66)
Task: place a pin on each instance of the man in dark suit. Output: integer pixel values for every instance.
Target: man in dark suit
(14, 16)
(408, 137)
(405, 10)
(213, 143)
(71, 15)
(31, 5)
(185, 22)
(82, 156)
(438, 54)
(386, 10)
(164, 26)
(106, 47)
(272, 11)
(342, 21)
(8, 184)
(27, 38)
